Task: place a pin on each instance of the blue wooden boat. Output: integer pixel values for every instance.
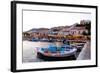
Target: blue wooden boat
(44, 40)
(54, 53)
(35, 39)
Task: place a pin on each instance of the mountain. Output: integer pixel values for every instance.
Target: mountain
(83, 23)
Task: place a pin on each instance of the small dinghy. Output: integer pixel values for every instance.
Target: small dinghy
(54, 53)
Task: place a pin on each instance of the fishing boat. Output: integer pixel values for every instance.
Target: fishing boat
(35, 39)
(79, 46)
(54, 53)
(52, 40)
(44, 40)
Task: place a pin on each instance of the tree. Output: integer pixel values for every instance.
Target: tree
(88, 27)
(84, 33)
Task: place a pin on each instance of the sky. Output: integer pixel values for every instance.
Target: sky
(43, 19)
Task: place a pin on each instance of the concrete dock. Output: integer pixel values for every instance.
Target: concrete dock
(85, 54)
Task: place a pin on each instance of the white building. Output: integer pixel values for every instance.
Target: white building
(73, 30)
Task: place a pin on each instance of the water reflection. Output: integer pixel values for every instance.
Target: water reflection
(30, 50)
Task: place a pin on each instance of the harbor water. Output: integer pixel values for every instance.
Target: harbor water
(29, 53)
(30, 50)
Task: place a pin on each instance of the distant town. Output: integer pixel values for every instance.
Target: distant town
(77, 31)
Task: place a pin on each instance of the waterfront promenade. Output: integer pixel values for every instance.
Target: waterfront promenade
(85, 54)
